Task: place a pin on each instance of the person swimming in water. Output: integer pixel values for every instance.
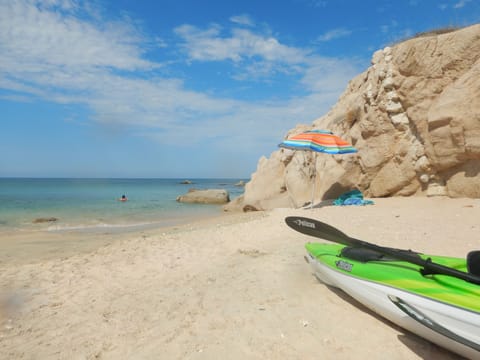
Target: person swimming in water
(123, 198)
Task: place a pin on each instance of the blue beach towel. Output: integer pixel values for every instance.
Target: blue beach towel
(353, 197)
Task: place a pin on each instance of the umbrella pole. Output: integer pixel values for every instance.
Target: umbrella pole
(314, 178)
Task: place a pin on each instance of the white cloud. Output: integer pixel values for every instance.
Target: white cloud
(246, 127)
(61, 4)
(55, 55)
(242, 44)
(457, 5)
(327, 76)
(244, 19)
(392, 26)
(254, 56)
(460, 4)
(334, 34)
(37, 37)
(319, 3)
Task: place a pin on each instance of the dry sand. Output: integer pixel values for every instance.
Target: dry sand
(234, 287)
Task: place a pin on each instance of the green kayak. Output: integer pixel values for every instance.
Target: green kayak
(435, 297)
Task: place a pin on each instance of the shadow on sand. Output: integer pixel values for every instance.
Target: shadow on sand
(423, 348)
(321, 204)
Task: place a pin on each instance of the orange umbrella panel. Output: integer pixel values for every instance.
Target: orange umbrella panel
(318, 141)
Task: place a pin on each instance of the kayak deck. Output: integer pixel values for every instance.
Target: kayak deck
(405, 276)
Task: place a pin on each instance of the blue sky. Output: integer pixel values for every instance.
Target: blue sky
(182, 88)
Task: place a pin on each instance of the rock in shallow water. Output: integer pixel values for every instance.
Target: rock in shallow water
(44, 220)
(210, 196)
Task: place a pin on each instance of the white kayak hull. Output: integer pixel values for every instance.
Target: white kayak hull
(380, 299)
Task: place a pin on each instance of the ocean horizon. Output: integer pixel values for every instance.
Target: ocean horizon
(91, 204)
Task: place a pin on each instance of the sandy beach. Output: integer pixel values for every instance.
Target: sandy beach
(233, 287)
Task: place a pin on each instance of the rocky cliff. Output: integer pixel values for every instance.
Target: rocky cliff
(413, 115)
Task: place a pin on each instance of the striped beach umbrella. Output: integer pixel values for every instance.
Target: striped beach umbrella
(318, 141)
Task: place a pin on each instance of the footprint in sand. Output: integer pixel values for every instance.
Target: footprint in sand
(251, 252)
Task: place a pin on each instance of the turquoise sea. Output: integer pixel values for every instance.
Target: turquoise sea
(92, 204)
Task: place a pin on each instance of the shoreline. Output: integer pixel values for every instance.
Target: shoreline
(233, 286)
(27, 245)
